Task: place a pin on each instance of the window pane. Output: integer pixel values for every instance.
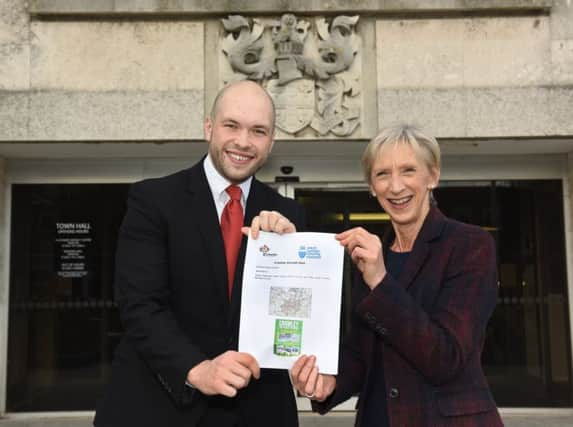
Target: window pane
(63, 324)
(527, 350)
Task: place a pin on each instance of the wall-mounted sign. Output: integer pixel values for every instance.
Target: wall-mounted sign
(72, 241)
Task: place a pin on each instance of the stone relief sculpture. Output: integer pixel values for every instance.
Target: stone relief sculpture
(244, 48)
(289, 36)
(310, 71)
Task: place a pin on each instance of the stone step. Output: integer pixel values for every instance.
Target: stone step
(338, 419)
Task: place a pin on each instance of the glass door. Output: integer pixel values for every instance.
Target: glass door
(527, 352)
(63, 321)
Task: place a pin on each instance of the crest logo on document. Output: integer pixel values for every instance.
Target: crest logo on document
(266, 251)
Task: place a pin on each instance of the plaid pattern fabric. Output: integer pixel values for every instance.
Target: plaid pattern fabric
(430, 323)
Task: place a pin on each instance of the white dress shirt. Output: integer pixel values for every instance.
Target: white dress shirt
(218, 184)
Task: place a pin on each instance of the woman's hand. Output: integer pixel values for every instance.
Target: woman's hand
(365, 249)
(309, 382)
(269, 221)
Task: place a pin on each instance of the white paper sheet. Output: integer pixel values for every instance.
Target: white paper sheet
(292, 286)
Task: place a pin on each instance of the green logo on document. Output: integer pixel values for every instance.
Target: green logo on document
(288, 334)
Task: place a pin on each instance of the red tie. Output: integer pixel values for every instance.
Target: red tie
(231, 223)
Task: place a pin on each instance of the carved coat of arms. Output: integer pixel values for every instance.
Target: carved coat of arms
(309, 70)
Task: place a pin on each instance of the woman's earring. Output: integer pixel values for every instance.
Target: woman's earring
(373, 194)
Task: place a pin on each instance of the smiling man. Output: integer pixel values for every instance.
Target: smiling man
(240, 130)
(178, 283)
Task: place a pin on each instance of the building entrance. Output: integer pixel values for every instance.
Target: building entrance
(63, 322)
(527, 350)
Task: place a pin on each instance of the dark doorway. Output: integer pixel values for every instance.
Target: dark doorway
(63, 322)
(527, 352)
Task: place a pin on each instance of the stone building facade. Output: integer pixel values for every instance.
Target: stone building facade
(97, 94)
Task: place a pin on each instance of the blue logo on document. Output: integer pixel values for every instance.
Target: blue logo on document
(309, 252)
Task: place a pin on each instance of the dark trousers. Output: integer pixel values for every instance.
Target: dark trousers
(222, 412)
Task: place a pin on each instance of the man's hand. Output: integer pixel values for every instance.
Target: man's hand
(225, 374)
(308, 382)
(269, 221)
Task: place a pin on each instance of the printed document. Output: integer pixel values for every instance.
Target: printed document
(290, 306)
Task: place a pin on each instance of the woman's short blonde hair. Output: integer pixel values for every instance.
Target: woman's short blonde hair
(423, 145)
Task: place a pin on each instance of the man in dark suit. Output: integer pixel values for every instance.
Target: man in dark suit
(178, 287)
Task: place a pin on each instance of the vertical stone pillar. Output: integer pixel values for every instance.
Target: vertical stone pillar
(4, 287)
(568, 203)
(14, 69)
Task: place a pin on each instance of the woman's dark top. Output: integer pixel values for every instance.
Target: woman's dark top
(375, 409)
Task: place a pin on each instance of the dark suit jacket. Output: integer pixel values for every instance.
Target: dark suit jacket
(171, 288)
(430, 323)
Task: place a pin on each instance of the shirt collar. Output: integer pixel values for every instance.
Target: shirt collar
(218, 183)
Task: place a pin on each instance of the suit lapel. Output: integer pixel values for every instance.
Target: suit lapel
(205, 214)
(431, 229)
(414, 263)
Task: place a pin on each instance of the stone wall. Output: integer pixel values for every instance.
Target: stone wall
(99, 80)
(475, 77)
(122, 70)
(209, 7)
